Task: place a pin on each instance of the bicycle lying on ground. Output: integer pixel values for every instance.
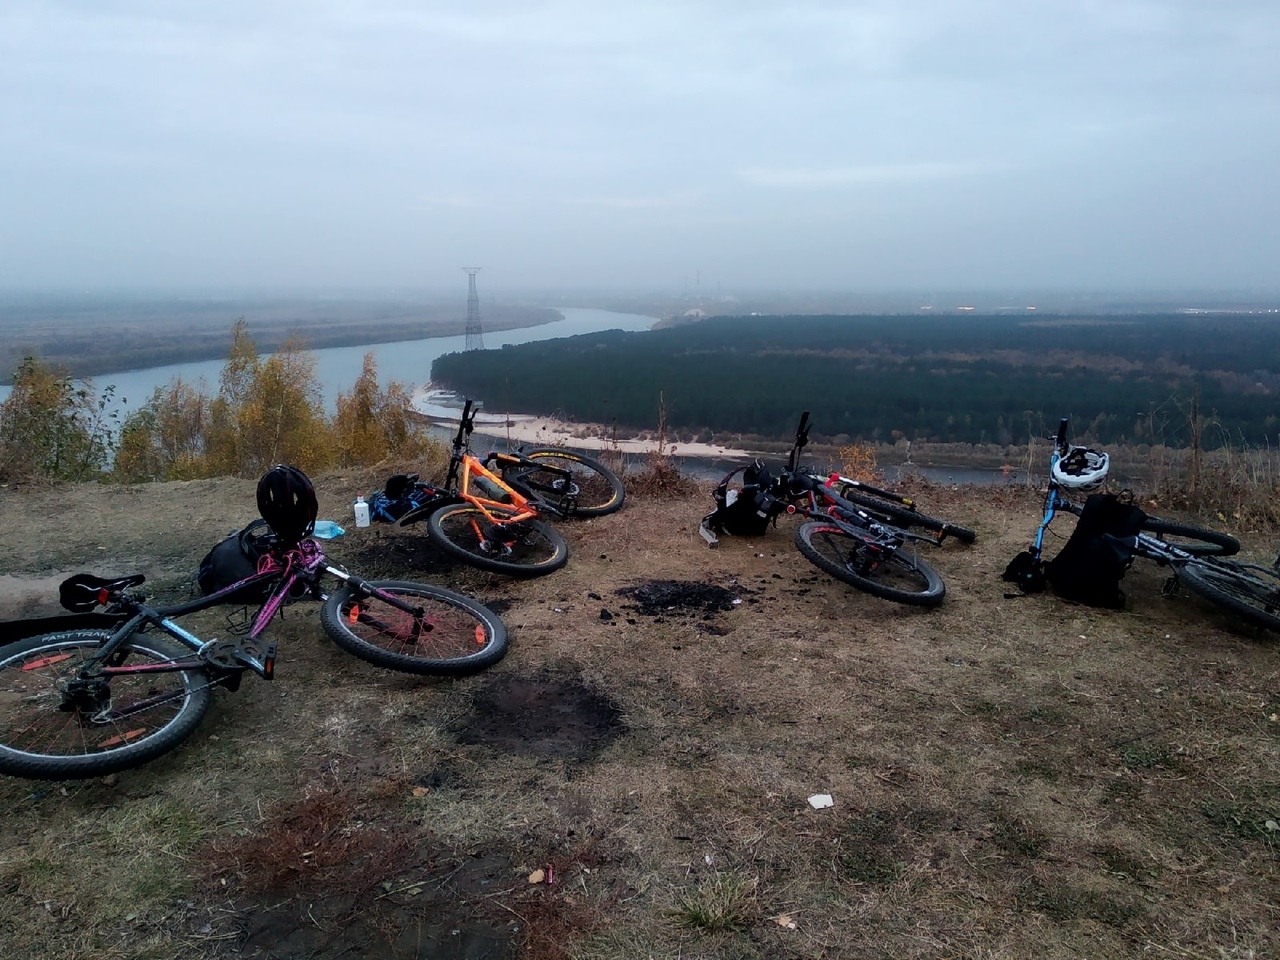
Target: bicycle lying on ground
(489, 514)
(859, 541)
(1077, 470)
(1197, 557)
(85, 703)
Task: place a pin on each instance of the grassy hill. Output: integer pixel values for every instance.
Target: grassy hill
(1011, 776)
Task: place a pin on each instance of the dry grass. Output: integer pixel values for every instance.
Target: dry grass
(659, 478)
(1012, 776)
(1235, 482)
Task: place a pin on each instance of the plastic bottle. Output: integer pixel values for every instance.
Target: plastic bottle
(362, 512)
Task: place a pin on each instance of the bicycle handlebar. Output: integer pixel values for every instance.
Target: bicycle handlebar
(465, 425)
(802, 438)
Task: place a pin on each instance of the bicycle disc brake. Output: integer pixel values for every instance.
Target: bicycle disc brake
(501, 539)
(88, 697)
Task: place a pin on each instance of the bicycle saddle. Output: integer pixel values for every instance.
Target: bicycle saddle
(84, 591)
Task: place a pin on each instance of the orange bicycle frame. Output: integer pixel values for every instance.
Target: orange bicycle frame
(515, 509)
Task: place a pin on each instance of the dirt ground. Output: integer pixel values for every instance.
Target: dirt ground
(1010, 776)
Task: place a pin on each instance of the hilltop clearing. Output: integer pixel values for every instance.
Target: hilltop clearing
(1011, 776)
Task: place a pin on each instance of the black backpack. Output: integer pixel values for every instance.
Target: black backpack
(1089, 567)
(235, 559)
(743, 510)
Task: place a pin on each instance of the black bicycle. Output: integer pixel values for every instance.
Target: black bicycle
(85, 703)
(1198, 557)
(866, 543)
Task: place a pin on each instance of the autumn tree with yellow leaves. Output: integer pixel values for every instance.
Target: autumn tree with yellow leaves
(52, 427)
(268, 411)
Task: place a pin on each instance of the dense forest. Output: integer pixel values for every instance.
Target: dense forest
(970, 379)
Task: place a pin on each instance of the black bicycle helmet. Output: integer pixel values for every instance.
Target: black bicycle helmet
(287, 501)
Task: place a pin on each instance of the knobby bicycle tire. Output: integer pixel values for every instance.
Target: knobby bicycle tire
(41, 740)
(448, 634)
(599, 490)
(907, 518)
(529, 548)
(1252, 593)
(896, 576)
(1196, 541)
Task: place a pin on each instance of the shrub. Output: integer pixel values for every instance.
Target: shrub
(52, 427)
(373, 424)
(165, 438)
(858, 462)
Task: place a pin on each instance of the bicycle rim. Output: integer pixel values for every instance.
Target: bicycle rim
(592, 488)
(444, 633)
(887, 573)
(1252, 594)
(528, 548)
(115, 724)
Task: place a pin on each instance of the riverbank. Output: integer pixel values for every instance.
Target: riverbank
(548, 431)
(445, 407)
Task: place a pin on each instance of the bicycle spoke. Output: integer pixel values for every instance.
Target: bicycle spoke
(414, 627)
(57, 723)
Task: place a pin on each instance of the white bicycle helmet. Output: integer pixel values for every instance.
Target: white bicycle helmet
(1081, 469)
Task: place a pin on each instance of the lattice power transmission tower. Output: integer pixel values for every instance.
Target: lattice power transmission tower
(475, 336)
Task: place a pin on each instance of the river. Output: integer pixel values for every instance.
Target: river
(405, 361)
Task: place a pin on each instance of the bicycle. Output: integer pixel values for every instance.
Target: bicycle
(1197, 557)
(1074, 469)
(86, 703)
(488, 514)
(859, 544)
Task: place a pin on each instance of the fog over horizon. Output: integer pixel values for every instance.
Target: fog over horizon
(709, 148)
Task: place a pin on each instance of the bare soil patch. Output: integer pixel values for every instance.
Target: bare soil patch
(1012, 776)
(543, 715)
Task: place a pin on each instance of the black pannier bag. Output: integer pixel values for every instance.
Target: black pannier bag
(744, 511)
(235, 559)
(401, 493)
(1094, 559)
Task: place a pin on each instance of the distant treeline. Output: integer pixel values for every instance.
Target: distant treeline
(969, 379)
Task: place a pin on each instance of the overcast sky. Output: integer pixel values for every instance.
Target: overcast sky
(894, 144)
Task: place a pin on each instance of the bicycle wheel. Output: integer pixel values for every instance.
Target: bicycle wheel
(1252, 593)
(594, 488)
(54, 726)
(906, 518)
(1196, 541)
(892, 575)
(529, 548)
(446, 633)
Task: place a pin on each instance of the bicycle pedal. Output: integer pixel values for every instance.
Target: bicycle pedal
(261, 660)
(269, 662)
